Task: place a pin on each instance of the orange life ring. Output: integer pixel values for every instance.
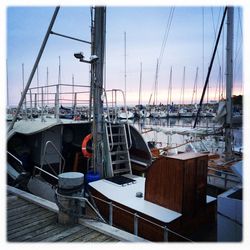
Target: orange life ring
(85, 149)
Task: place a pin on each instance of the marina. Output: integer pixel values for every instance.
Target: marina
(83, 166)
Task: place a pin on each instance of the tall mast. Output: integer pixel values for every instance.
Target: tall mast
(169, 101)
(37, 85)
(7, 80)
(140, 84)
(183, 87)
(194, 96)
(47, 83)
(97, 85)
(229, 84)
(125, 68)
(25, 108)
(156, 83)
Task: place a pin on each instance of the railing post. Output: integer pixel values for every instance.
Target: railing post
(165, 233)
(225, 181)
(31, 113)
(42, 111)
(110, 213)
(135, 224)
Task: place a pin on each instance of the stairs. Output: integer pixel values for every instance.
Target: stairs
(118, 149)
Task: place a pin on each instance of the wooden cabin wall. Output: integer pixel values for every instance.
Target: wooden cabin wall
(178, 182)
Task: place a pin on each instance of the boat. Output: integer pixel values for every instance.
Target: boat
(161, 198)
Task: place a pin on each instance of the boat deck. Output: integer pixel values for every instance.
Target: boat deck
(29, 222)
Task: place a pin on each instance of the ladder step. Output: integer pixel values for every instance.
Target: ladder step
(121, 170)
(117, 125)
(119, 134)
(119, 162)
(121, 152)
(118, 143)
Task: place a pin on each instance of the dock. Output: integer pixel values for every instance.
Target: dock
(33, 219)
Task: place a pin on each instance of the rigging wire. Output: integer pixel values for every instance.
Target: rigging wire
(223, 63)
(238, 48)
(162, 50)
(166, 34)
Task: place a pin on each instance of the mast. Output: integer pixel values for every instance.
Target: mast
(229, 84)
(140, 85)
(37, 85)
(7, 80)
(169, 100)
(97, 85)
(125, 68)
(156, 83)
(182, 88)
(25, 108)
(47, 83)
(194, 96)
(210, 67)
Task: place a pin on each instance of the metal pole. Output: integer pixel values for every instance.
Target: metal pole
(47, 89)
(25, 108)
(98, 130)
(110, 213)
(165, 233)
(7, 80)
(140, 84)
(135, 224)
(34, 67)
(125, 68)
(229, 84)
(210, 68)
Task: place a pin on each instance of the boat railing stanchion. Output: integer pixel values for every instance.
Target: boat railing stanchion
(110, 213)
(136, 224)
(165, 233)
(42, 111)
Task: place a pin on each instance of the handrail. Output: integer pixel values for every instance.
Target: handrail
(13, 156)
(225, 178)
(136, 216)
(46, 172)
(40, 98)
(58, 152)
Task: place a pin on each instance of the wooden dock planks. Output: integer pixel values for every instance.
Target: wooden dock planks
(27, 222)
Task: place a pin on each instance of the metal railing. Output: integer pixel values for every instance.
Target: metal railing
(61, 167)
(112, 114)
(15, 158)
(49, 99)
(223, 176)
(136, 217)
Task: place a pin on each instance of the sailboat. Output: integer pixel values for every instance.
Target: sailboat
(159, 199)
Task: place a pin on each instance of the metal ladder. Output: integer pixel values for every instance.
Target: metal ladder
(118, 134)
(119, 157)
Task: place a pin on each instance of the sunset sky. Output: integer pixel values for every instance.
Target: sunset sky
(190, 43)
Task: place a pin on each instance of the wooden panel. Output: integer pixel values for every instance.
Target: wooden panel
(189, 187)
(201, 182)
(178, 182)
(164, 183)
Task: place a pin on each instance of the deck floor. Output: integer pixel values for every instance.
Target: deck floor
(27, 222)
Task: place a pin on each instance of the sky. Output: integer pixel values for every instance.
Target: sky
(190, 43)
